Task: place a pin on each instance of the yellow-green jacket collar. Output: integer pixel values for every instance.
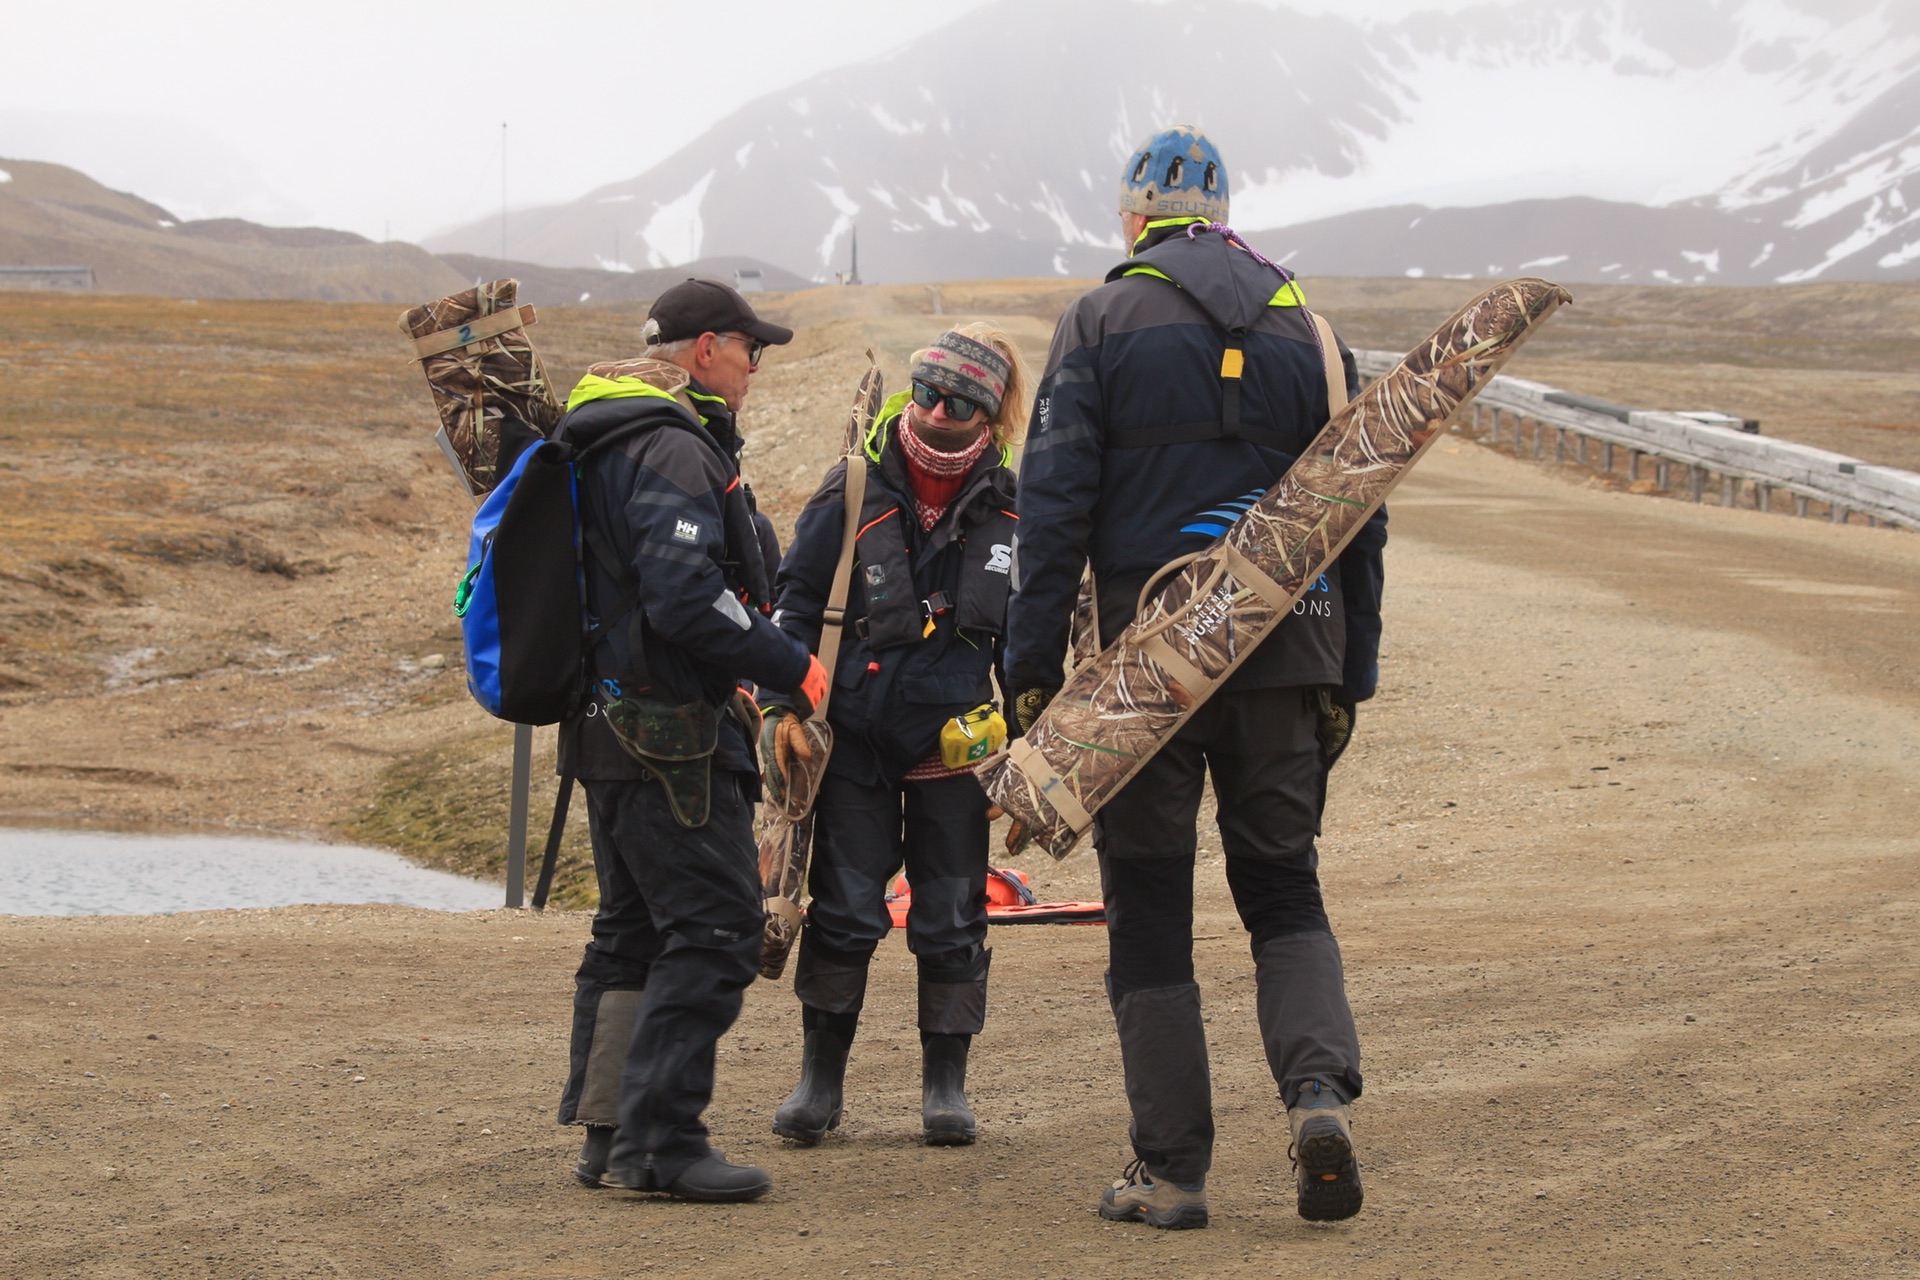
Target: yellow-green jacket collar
(594, 387)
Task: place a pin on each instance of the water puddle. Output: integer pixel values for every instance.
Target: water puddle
(98, 873)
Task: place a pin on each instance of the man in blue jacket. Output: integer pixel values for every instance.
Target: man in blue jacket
(1174, 395)
(677, 584)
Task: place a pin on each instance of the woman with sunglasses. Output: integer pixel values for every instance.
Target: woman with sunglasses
(923, 625)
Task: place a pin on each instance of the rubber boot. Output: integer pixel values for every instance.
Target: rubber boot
(592, 1164)
(599, 1104)
(814, 1106)
(944, 1113)
(712, 1178)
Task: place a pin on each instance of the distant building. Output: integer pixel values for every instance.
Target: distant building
(747, 280)
(47, 278)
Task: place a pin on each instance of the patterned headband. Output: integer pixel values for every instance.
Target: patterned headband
(964, 367)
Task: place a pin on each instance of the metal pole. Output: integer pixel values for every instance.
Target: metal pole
(522, 746)
(517, 815)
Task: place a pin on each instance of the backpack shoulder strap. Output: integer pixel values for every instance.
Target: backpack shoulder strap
(1330, 357)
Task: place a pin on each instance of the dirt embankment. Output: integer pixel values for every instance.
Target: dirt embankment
(1624, 866)
(1623, 859)
(227, 544)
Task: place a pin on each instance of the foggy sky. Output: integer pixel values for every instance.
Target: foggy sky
(386, 118)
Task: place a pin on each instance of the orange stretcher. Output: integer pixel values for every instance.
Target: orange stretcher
(1009, 901)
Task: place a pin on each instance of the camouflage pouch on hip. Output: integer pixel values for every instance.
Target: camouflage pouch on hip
(675, 745)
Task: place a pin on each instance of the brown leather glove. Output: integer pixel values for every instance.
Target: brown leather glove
(783, 745)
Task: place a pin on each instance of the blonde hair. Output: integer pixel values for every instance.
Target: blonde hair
(1010, 424)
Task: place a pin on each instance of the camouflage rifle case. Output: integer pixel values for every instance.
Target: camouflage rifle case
(1116, 711)
(487, 382)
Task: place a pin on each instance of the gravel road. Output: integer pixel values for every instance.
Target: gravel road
(1624, 864)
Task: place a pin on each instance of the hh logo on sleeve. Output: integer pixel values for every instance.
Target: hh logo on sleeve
(686, 531)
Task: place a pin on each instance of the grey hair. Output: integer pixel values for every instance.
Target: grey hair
(668, 350)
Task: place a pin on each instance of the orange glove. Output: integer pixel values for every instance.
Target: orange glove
(812, 691)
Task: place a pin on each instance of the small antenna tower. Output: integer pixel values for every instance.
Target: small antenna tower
(853, 274)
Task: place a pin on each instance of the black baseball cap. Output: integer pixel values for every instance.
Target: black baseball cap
(695, 306)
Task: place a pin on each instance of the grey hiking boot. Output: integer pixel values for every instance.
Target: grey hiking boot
(1136, 1196)
(1326, 1175)
(592, 1164)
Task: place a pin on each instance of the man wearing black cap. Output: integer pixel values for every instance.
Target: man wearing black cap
(709, 330)
(677, 583)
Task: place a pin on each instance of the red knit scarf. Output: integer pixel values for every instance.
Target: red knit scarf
(936, 477)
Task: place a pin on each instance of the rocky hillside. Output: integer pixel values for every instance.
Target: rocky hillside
(50, 214)
(1708, 141)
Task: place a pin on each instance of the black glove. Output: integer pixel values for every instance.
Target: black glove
(1336, 724)
(1028, 704)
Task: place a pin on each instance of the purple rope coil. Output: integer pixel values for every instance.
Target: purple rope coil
(1234, 238)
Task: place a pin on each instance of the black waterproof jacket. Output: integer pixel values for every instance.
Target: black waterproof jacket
(896, 683)
(671, 507)
(1127, 465)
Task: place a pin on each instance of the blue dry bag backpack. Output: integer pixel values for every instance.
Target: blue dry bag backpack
(522, 604)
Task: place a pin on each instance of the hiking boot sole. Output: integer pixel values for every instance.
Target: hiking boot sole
(1329, 1179)
(1182, 1217)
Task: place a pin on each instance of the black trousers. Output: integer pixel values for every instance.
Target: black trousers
(863, 835)
(1262, 749)
(679, 922)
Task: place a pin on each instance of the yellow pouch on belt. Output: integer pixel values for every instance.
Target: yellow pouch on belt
(970, 738)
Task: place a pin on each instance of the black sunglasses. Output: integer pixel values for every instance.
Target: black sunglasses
(959, 408)
(755, 346)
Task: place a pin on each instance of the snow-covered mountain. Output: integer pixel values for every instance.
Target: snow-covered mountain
(1731, 141)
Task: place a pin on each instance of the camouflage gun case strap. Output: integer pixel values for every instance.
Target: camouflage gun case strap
(833, 619)
(435, 344)
(1021, 755)
(786, 837)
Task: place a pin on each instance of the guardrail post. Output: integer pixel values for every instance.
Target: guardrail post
(1660, 471)
(1762, 497)
(1539, 438)
(1837, 513)
(1800, 505)
(1729, 487)
(1696, 481)
(1560, 444)
(1606, 456)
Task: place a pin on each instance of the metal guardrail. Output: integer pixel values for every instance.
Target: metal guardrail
(1705, 444)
